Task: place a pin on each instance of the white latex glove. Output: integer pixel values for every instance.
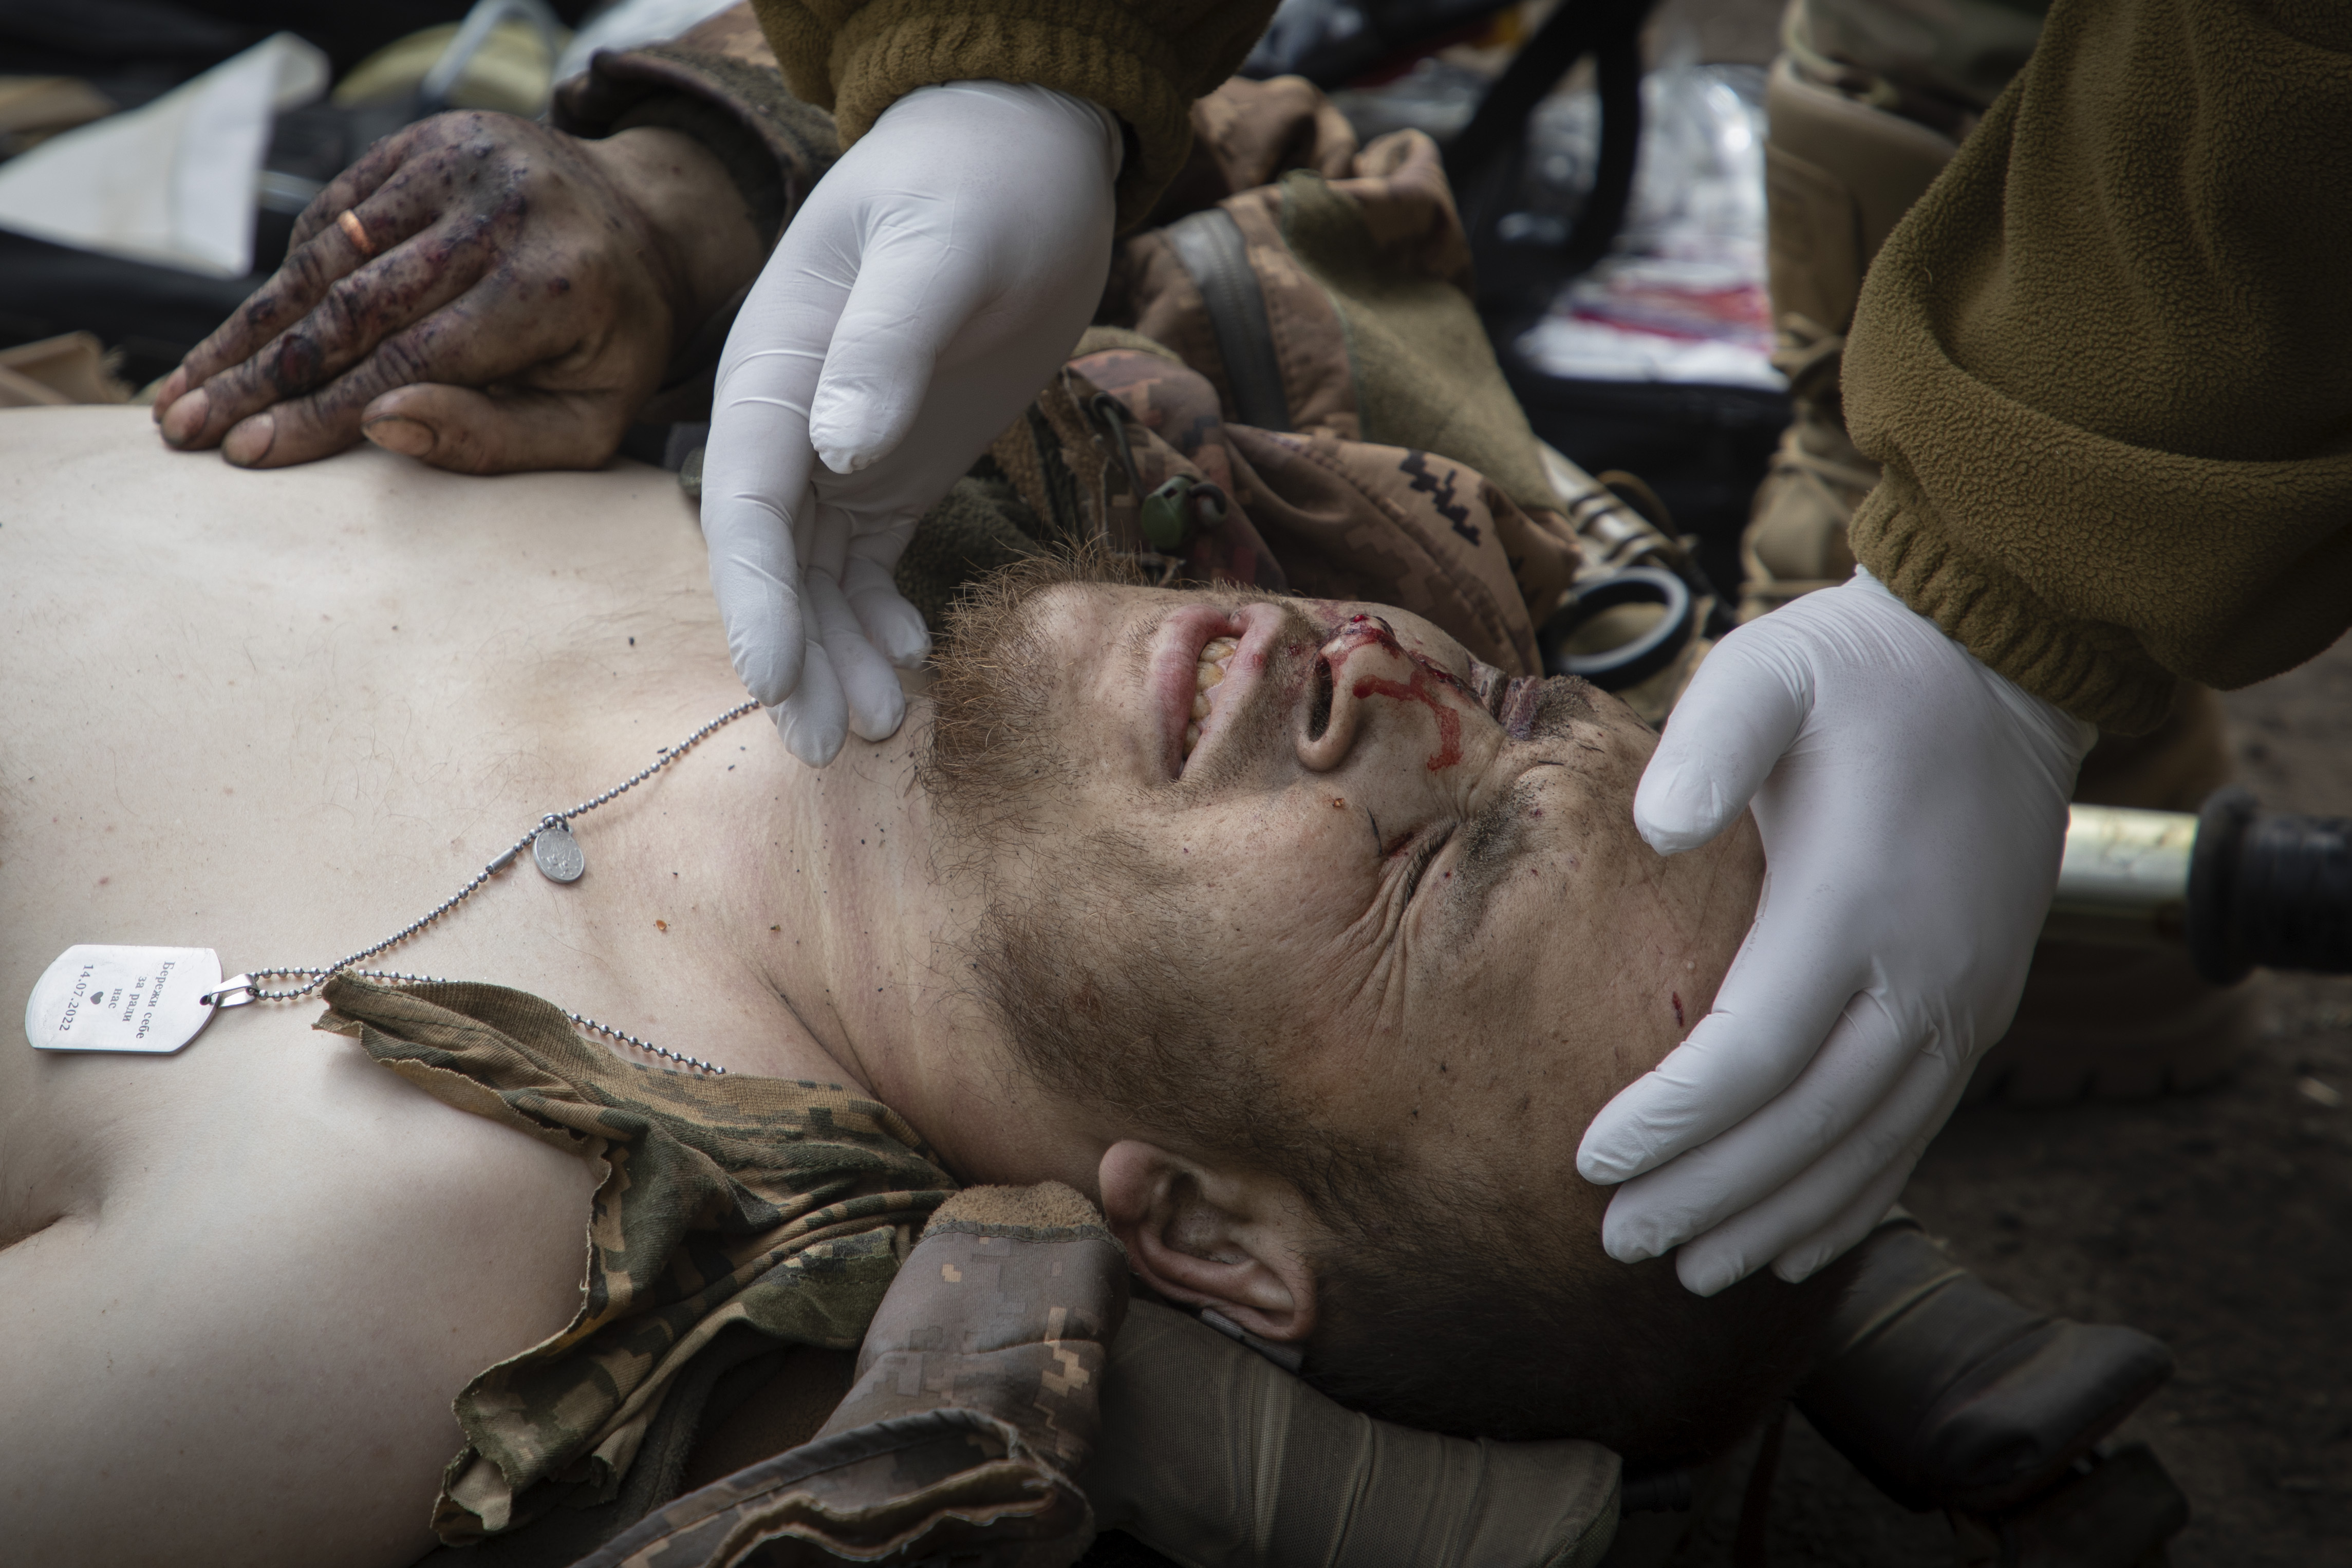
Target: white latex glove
(930, 284)
(1913, 806)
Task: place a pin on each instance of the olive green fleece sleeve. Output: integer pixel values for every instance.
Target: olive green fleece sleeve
(2107, 360)
(1144, 62)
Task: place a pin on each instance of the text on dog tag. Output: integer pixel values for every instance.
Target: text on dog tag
(98, 997)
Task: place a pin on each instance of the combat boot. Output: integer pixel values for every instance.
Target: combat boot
(1947, 1393)
(1839, 175)
(1796, 536)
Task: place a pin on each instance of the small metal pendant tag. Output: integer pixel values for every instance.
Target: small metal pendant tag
(558, 853)
(101, 997)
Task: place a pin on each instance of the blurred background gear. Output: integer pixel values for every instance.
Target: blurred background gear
(501, 57)
(134, 50)
(174, 181)
(63, 68)
(2100, 1021)
(35, 107)
(1840, 174)
(74, 368)
(1606, 157)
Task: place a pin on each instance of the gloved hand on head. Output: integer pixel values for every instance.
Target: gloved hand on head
(1913, 807)
(929, 286)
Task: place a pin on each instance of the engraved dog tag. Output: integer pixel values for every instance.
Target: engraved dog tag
(558, 853)
(101, 997)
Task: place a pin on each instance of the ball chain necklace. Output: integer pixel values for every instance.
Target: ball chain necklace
(103, 996)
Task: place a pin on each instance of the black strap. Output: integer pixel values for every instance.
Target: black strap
(1209, 246)
(1484, 158)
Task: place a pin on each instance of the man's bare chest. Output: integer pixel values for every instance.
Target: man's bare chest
(284, 716)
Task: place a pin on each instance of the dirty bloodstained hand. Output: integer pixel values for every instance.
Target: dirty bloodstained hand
(521, 301)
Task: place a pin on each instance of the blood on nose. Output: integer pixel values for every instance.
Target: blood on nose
(1419, 690)
(1427, 681)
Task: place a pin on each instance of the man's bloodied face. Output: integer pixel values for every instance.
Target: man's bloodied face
(1320, 845)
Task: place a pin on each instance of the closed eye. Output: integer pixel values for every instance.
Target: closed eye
(1424, 857)
(1493, 843)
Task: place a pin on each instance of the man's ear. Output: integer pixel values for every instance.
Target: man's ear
(1233, 1241)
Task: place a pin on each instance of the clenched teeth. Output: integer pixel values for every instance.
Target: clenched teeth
(1210, 670)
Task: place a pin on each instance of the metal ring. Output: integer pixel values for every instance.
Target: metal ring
(356, 232)
(235, 982)
(1630, 663)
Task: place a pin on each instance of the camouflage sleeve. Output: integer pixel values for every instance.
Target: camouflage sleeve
(977, 1404)
(719, 84)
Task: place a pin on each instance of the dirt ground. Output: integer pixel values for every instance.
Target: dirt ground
(2221, 1222)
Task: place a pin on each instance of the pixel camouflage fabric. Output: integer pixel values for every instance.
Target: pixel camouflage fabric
(786, 1206)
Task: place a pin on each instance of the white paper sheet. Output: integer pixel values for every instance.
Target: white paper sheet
(172, 182)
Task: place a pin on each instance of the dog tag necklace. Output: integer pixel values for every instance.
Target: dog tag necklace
(104, 996)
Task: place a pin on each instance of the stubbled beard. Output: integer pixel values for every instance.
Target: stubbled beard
(990, 764)
(1083, 950)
